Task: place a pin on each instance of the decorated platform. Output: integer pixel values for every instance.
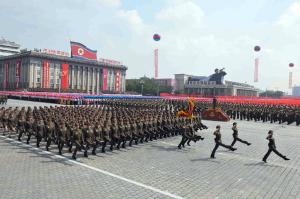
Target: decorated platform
(215, 115)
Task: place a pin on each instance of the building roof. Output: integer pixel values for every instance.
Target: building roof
(61, 58)
(10, 44)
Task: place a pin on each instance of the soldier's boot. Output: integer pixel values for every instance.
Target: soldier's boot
(188, 143)
(60, 147)
(38, 141)
(136, 141)
(151, 137)
(48, 143)
(85, 154)
(103, 149)
(130, 142)
(74, 154)
(111, 148)
(146, 138)
(124, 144)
(20, 135)
(119, 143)
(142, 139)
(70, 148)
(94, 151)
(28, 139)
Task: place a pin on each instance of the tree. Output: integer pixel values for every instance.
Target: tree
(150, 87)
(269, 93)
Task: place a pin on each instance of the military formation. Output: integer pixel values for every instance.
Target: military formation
(273, 113)
(113, 124)
(119, 123)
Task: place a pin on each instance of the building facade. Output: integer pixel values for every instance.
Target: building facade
(199, 85)
(296, 91)
(40, 71)
(8, 48)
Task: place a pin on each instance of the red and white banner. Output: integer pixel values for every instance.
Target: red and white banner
(18, 72)
(64, 76)
(55, 52)
(290, 79)
(117, 81)
(104, 79)
(5, 82)
(256, 70)
(80, 51)
(110, 61)
(46, 74)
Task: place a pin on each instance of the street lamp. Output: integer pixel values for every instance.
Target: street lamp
(142, 84)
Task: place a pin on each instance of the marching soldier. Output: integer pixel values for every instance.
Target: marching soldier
(272, 147)
(236, 137)
(218, 142)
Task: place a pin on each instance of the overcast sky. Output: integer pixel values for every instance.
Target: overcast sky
(196, 35)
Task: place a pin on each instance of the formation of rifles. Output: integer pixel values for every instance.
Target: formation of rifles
(113, 124)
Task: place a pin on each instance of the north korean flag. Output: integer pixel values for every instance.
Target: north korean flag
(80, 51)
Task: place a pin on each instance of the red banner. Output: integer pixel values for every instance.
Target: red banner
(45, 81)
(79, 50)
(5, 82)
(256, 70)
(117, 81)
(18, 67)
(104, 79)
(64, 76)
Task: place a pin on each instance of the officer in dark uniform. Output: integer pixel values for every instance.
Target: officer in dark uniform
(236, 136)
(272, 147)
(218, 142)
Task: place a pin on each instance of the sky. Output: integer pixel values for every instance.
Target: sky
(197, 36)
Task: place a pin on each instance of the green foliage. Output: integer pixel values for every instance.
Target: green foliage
(275, 94)
(149, 86)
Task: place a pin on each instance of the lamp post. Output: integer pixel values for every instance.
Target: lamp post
(142, 84)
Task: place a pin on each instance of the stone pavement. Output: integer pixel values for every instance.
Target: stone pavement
(158, 169)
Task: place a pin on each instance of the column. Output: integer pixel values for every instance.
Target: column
(87, 80)
(92, 80)
(78, 72)
(97, 81)
(72, 72)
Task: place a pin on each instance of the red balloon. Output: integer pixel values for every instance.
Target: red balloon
(257, 48)
(291, 65)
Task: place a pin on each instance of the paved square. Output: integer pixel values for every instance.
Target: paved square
(158, 169)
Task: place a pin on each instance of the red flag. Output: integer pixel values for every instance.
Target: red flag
(64, 76)
(46, 74)
(80, 51)
(104, 79)
(18, 66)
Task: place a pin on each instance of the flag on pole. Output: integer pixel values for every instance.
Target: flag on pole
(256, 70)
(80, 51)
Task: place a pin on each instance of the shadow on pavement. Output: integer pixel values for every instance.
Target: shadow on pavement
(206, 159)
